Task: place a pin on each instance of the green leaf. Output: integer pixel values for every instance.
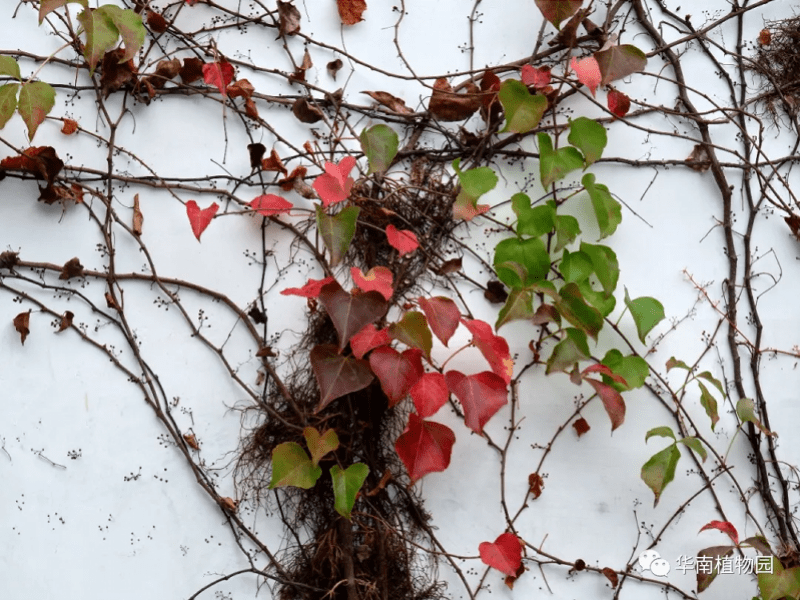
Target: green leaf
(696, 445)
(413, 331)
(712, 380)
(320, 445)
(778, 582)
(474, 184)
(746, 409)
(709, 403)
(607, 210)
(523, 110)
(36, 100)
(575, 266)
(530, 254)
(518, 306)
(567, 230)
(101, 35)
(662, 431)
(674, 363)
(129, 26)
(48, 6)
(8, 102)
(602, 302)
(346, 485)
(574, 309)
(660, 470)
(9, 66)
(606, 267)
(568, 352)
(534, 221)
(620, 61)
(589, 137)
(337, 231)
(379, 143)
(292, 466)
(646, 312)
(555, 164)
(633, 369)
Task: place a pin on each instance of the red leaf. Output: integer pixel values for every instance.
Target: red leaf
(70, 127)
(618, 103)
(724, 527)
(219, 74)
(429, 394)
(337, 375)
(397, 372)
(199, 219)
(504, 554)
(481, 396)
(443, 316)
(537, 77)
(588, 72)
(270, 205)
(600, 368)
(335, 183)
(310, 289)
(378, 279)
(581, 426)
(350, 313)
(612, 402)
(402, 240)
(350, 11)
(493, 347)
(424, 447)
(367, 339)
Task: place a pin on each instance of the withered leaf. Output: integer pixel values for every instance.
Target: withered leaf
(8, 259)
(287, 183)
(350, 11)
(568, 35)
(273, 163)
(71, 268)
(110, 302)
(250, 109)
(266, 351)
(306, 64)
(168, 69)
(256, 152)
(699, 160)
(257, 315)
(21, 322)
(40, 160)
(156, 22)
(793, 221)
(495, 292)
(306, 112)
(611, 576)
(536, 485)
(228, 504)
(70, 126)
(138, 217)
(581, 426)
(192, 70)
(333, 67)
(191, 439)
(288, 18)
(116, 75)
(446, 105)
(393, 103)
(765, 37)
(510, 579)
(66, 321)
(241, 88)
(546, 313)
(450, 266)
(61, 193)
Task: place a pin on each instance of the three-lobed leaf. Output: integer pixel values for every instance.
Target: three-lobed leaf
(337, 375)
(349, 312)
(556, 164)
(36, 100)
(493, 347)
(292, 466)
(523, 110)
(424, 447)
(397, 372)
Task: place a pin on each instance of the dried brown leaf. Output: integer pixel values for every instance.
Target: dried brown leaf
(156, 22)
(334, 66)
(70, 126)
(191, 439)
(536, 485)
(765, 37)
(266, 351)
(273, 163)
(350, 11)
(110, 302)
(241, 88)
(581, 426)
(793, 221)
(66, 321)
(8, 259)
(306, 112)
(450, 266)
(306, 64)
(446, 105)
(72, 268)
(250, 109)
(699, 160)
(228, 504)
(21, 323)
(138, 217)
(288, 18)
(393, 103)
(287, 183)
(116, 75)
(256, 152)
(611, 575)
(192, 70)
(495, 292)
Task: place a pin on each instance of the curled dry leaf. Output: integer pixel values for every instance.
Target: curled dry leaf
(71, 268)
(250, 109)
(138, 217)
(110, 302)
(228, 503)
(40, 160)
(8, 259)
(581, 426)
(192, 70)
(256, 152)
(156, 22)
(241, 89)
(266, 352)
(449, 266)
(611, 575)
(296, 176)
(333, 67)
(350, 11)
(273, 163)
(191, 439)
(446, 105)
(306, 112)
(495, 292)
(793, 221)
(66, 321)
(699, 160)
(70, 127)
(288, 18)
(257, 315)
(765, 37)
(21, 323)
(393, 103)
(535, 485)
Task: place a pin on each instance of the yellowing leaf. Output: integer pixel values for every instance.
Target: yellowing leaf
(36, 99)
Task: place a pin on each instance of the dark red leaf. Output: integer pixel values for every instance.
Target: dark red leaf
(350, 313)
(618, 103)
(725, 527)
(612, 402)
(504, 554)
(424, 447)
(337, 375)
(429, 394)
(367, 339)
(493, 347)
(218, 74)
(192, 70)
(581, 426)
(398, 373)
(481, 396)
(443, 316)
(446, 105)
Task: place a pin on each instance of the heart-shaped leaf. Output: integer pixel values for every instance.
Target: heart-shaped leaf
(320, 444)
(556, 164)
(311, 289)
(413, 331)
(429, 394)
(589, 137)
(646, 312)
(335, 183)
(379, 144)
(481, 396)
(346, 485)
(378, 279)
(350, 313)
(493, 347)
(557, 11)
(397, 372)
(270, 205)
(402, 240)
(424, 447)
(368, 339)
(199, 219)
(442, 314)
(588, 72)
(292, 466)
(337, 231)
(538, 77)
(523, 110)
(504, 554)
(219, 74)
(36, 100)
(617, 62)
(618, 103)
(337, 375)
